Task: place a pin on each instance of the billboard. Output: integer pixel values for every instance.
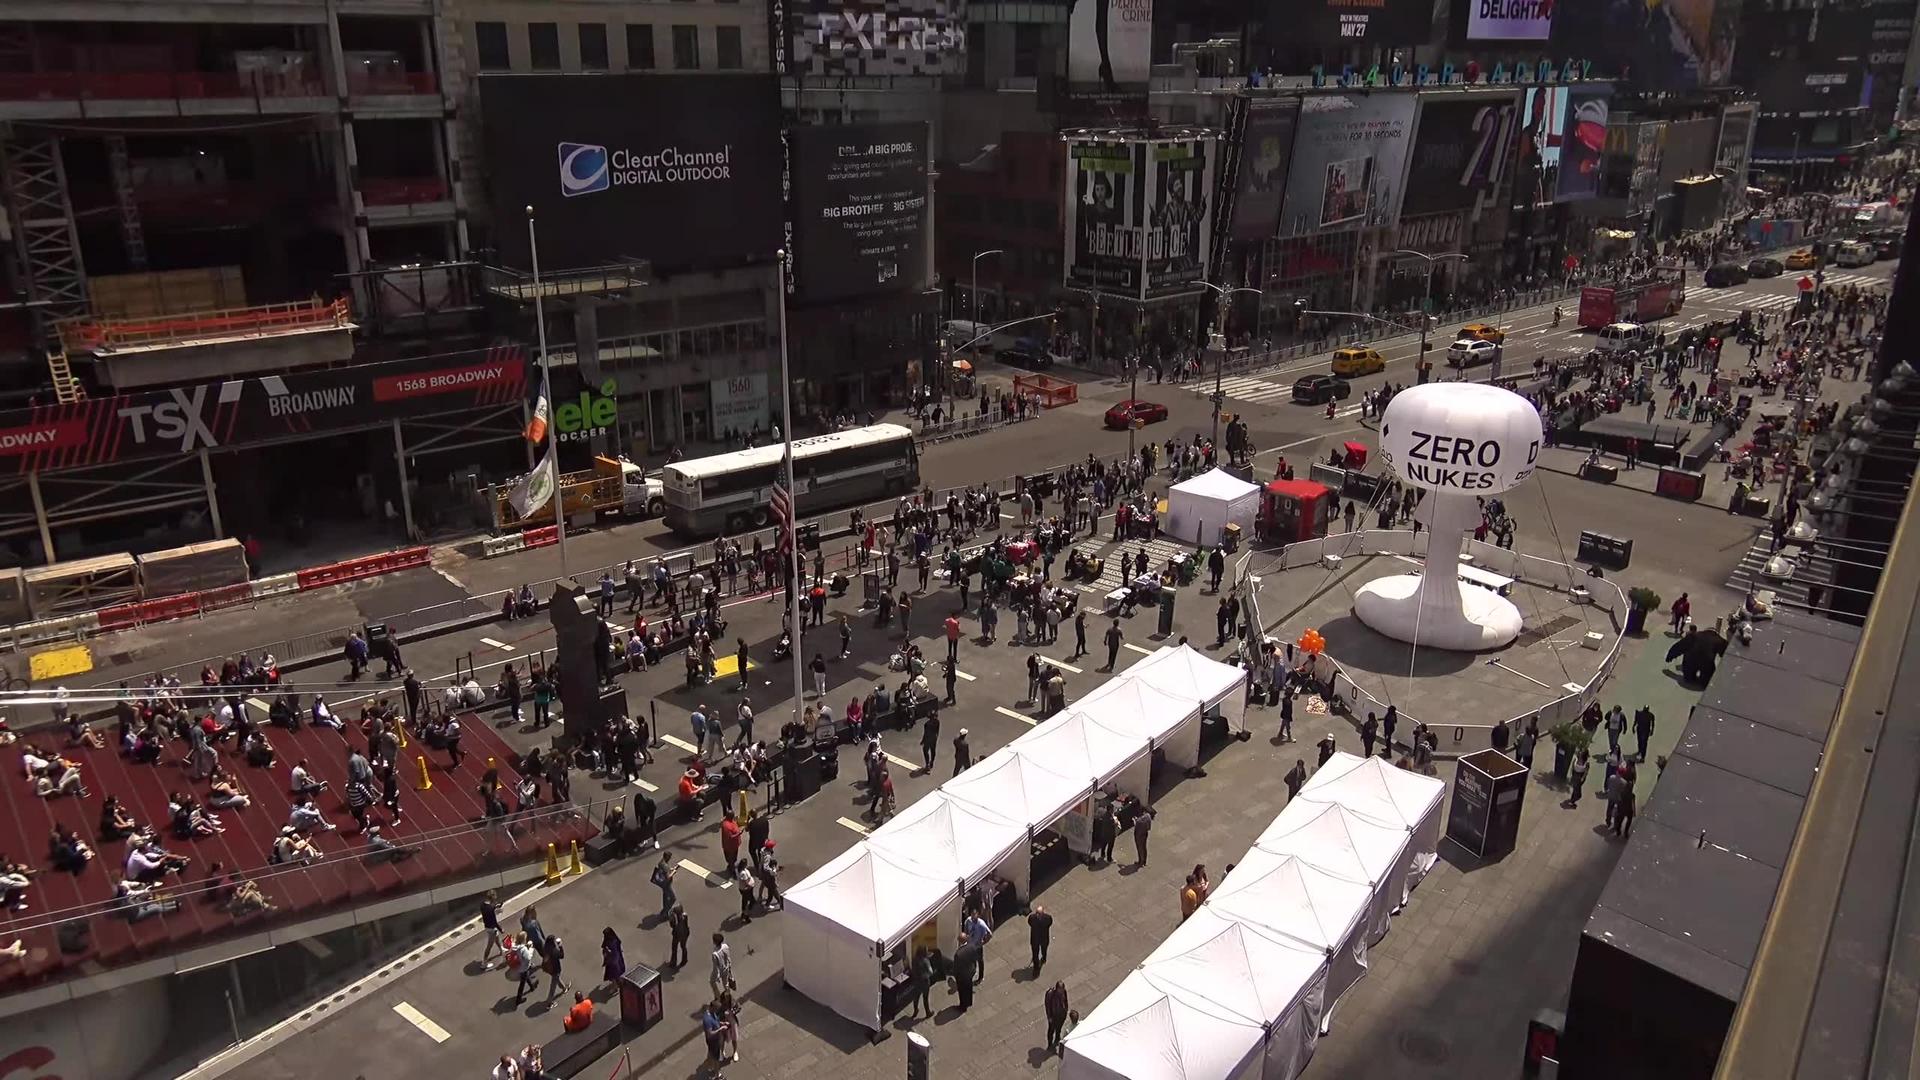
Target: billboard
(1509, 20)
(860, 209)
(1179, 216)
(1732, 151)
(1687, 149)
(1460, 151)
(1583, 146)
(1348, 160)
(1543, 127)
(1105, 202)
(1354, 22)
(620, 167)
(1675, 45)
(880, 37)
(1266, 145)
(1109, 56)
(235, 412)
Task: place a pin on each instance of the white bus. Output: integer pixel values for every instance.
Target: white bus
(731, 492)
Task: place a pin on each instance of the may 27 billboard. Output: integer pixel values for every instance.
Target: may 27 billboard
(1353, 22)
(1348, 161)
(681, 170)
(1460, 151)
(860, 208)
(880, 37)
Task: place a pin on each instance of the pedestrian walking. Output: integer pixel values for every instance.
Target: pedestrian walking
(1056, 1006)
(527, 966)
(1114, 638)
(490, 923)
(952, 628)
(720, 978)
(662, 879)
(966, 964)
(613, 956)
(1079, 633)
(1296, 778)
(1642, 730)
(930, 734)
(1523, 747)
(922, 983)
(953, 675)
(680, 929)
(1616, 727)
(1577, 777)
(1039, 935)
(550, 963)
(819, 676)
(962, 753)
(1369, 734)
(1142, 825)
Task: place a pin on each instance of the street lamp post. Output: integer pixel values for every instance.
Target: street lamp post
(1093, 359)
(1420, 362)
(974, 288)
(1223, 296)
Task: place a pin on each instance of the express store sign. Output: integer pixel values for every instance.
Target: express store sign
(209, 416)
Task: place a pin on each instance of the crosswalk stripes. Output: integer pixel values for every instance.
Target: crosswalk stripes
(1261, 392)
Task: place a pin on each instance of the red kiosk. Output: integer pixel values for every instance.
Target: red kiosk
(1294, 510)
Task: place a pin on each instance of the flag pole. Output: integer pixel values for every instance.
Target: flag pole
(793, 493)
(546, 394)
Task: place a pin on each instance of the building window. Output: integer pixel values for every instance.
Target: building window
(639, 48)
(726, 47)
(593, 46)
(543, 46)
(1027, 46)
(686, 48)
(490, 38)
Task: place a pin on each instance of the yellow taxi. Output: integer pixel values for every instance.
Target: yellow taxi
(1801, 260)
(1483, 332)
(1358, 361)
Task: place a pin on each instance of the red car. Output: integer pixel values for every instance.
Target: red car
(1129, 412)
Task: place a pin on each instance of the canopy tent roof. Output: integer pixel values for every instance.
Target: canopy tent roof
(1142, 1032)
(1248, 971)
(876, 897)
(1010, 783)
(1187, 673)
(1292, 897)
(1337, 840)
(1076, 744)
(1216, 484)
(943, 837)
(1130, 707)
(1374, 789)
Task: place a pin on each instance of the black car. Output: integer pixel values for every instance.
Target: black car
(1320, 389)
(1765, 267)
(1887, 243)
(1026, 358)
(1721, 275)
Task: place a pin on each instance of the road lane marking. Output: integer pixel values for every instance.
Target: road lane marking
(1136, 648)
(1022, 717)
(854, 825)
(1061, 664)
(963, 675)
(644, 786)
(901, 762)
(675, 740)
(419, 1019)
(496, 644)
(704, 874)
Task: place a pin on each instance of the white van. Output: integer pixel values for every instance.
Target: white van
(1623, 337)
(1873, 215)
(1853, 253)
(958, 332)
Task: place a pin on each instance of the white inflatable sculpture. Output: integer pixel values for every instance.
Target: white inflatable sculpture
(1458, 441)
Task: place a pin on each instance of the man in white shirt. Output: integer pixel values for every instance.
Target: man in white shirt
(306, 817)
(322, 716)
(304, 782)
(721, 979)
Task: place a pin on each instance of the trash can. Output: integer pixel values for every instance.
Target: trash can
(802, 775)
(641, 1001)
(1166, 613)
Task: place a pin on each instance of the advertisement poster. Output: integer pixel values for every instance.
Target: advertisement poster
(622, 167)
(741, 405)
(1732, 153)
(1543, 126)
(1354, 22)
(1676, 45)
(1348, 160)
(1583, 147)
(880, 37)
(1105, 198)
(1266, 147)
(1460, 152)
(860, 209)
(1180, 190)
(1109, 55)
(1509, 20)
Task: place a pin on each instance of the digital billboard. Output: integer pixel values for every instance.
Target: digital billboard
(1509, 20)
(1179, 213)
(620, 167)
(1348, 161)
(1732, 152)
(1461, 150)
(1584, 145)
(880, 37)
(1543, 126)
(1675, 45)
(1105, 203)
(1266, 147)
(1353, 22)
(860, 208)
(1109, 56)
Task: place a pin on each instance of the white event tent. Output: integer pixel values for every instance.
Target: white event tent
(1339, 841)
(1141, 1032)
(1012, 784)
(845, 917)
(959, 841)
(1302, 901)
(1133, 710)
(1073, 743)
(1370, 787)
(1197, 509)
(1186, 672)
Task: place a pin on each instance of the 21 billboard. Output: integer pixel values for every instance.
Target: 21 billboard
(860, 208)
(622, 167)
(1348, 162)
(1109, 56)
(1584, 145)
(1460, 152)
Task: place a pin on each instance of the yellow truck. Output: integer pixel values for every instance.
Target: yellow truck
(612, 486)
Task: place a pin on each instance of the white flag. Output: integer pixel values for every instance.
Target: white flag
(534, 489)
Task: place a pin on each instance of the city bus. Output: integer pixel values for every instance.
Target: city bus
(731, 492)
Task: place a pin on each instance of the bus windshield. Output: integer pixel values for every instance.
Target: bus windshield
(731, 492)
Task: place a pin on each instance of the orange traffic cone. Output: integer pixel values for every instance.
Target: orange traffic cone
(576, 869)
(426, 782)
(553, 865)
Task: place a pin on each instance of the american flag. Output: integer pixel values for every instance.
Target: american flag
(781, 503)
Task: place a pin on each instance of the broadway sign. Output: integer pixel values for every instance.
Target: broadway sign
(216, 415)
